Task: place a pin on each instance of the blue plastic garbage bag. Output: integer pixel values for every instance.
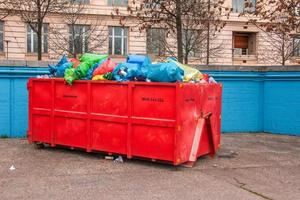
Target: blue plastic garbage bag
(52, 69)
(129, 71)
(59, 69)
(139, 59)
(89, 75)
(164, 72)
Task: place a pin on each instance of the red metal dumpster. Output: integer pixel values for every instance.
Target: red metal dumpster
(173, 122)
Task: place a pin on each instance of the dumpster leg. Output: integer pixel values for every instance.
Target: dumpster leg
(202, 122)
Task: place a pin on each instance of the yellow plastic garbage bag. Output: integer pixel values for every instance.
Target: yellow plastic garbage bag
(99, 78)
(102, 77)
(190, 74)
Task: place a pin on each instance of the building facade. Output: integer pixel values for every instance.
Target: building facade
(241, 43)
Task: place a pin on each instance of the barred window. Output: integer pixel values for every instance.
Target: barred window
(32, 39)
(156, 41)
(79, 41)
(118, 40)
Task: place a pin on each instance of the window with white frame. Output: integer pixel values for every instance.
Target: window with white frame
(117, 2)
(1, 36)
(153, 4)
(191, 42)
(239, 6)
(32, 39)
(156, 41)
(81, 1)
(118, 40)
(79, 38)
(296, 47)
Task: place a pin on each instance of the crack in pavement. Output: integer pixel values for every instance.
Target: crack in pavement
(243, 187)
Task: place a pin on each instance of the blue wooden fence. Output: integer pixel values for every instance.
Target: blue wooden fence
(252, 101)
(13, 99)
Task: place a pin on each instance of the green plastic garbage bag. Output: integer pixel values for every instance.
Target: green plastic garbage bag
(108, 76)
(70, 75)
(190, 74)
(87, 61)
(82, 69)
(92, 58)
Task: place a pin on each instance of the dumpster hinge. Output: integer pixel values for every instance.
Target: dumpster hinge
(29, 84)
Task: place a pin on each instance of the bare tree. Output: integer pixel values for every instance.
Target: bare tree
(279, 21)
(279, 48)
(5, 9)
(83, 34)
(176, 16)
(33, 12)
(197, 40)
(194, 43)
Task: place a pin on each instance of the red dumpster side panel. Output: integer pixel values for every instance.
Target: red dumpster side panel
(71, 98)
(41, 94)
(153, 142)
(109, 137)
(109, 99)
(41, 128)
(154, 101)
(70, 132)
(187, 120)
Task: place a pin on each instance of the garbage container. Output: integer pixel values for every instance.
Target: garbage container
(173, 122)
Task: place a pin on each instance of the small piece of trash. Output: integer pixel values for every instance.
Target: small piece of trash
(233, 152)
(215, 165)
(108, 157)
(119, 159)
(12, 168)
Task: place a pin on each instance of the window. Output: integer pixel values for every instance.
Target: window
(191, 41)
(240, 6)
(297, 9)
(32, 40)
(156, 41)
(244, 43)
(151, 4)
(78, 42)
(1, 36)
(296, 47)
(118, 40)
(117, 2)
(81, 1)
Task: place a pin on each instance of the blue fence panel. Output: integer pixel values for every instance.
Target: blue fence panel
(242, 109)
(19, 108)
(14, 99)
(282, 103)
(5, 113)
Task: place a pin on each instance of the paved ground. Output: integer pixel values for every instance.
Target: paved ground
(249, 166)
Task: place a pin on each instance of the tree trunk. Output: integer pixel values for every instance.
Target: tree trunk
(208, 34)
(179, 31)
(283, 51)
(39, 38)
(186, 59)
(39, 29)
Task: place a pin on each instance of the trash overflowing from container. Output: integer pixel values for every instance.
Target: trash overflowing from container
(164, 111)
(136, 68)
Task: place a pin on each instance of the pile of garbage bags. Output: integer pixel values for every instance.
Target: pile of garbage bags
(136, 68)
